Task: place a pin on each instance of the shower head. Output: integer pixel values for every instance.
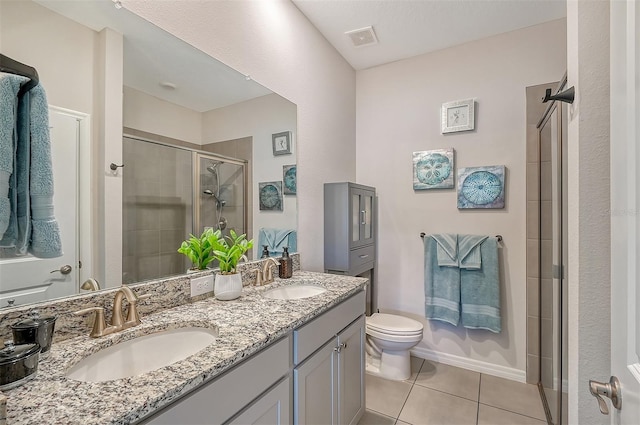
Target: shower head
(213, 195)
(213, 167)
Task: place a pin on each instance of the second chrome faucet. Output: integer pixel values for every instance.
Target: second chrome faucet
(100, 327)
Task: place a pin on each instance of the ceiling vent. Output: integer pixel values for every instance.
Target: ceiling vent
(363, 37)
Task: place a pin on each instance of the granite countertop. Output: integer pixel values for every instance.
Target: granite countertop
(244, 326)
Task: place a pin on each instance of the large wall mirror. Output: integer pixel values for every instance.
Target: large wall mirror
(193, 144)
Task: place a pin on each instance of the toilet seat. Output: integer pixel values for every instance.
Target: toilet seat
(394, 337)
(392, 325)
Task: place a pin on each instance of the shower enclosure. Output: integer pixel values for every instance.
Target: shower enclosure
(552, 156)
(170, 192)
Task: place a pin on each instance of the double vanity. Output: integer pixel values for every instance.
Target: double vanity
(288, 352)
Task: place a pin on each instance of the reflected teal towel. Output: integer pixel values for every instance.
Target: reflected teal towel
(441, 286)
(480, 290)
(45, 234)
(9, 87)
(277, 239)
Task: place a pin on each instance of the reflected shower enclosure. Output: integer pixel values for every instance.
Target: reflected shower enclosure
(170, 192)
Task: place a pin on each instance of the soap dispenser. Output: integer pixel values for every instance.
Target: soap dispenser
(265, 251)
(285, 270)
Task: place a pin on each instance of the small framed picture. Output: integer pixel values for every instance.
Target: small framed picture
(270, 196)
(289, 179)
(433, 169)
(458, 116)
(281, 143)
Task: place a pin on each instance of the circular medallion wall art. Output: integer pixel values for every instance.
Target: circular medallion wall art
(270, 196)
(481, 187)
(289, 179)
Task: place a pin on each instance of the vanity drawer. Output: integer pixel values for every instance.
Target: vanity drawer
(308, 338)
(220, 399)
(360, 256)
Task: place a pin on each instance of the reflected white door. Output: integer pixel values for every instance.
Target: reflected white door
(29, 279)
(625, 207)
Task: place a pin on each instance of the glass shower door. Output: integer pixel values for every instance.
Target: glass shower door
(552, 229)
(221, 195)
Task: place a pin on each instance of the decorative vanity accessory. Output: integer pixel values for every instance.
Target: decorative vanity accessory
(481, 187)
(227, 286)
(35, 330)
(265, 251)
(281, 143)
(228, 250)
(433, 169)
(18, 364)
(285, 269)
(458, 116)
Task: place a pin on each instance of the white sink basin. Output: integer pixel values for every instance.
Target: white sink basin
(294, 292)
(142, 354)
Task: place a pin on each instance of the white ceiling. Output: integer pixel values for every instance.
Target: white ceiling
(407, 28)
(152, 56)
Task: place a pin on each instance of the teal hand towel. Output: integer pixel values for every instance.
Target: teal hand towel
(469, 251)
(480, 291)
(447, 249)
(441, 286)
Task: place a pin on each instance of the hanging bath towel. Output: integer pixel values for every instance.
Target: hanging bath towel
(480, 290)
(441, 286)
(45, 234)
(9, 87)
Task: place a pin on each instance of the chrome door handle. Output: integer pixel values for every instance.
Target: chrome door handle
(66, 269)
(340, 347)
(363, 213)
(610, 390)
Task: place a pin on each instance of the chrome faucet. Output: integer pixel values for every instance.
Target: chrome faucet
(265, 275)
(100, 327)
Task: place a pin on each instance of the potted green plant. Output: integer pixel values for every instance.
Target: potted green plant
(228, 250)
(198, 250)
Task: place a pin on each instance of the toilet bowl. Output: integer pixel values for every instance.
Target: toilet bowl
(389, 339)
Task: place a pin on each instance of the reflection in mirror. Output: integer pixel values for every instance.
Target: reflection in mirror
(195, 138)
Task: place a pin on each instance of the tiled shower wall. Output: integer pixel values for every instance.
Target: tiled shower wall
(538, 208)
(157, 210)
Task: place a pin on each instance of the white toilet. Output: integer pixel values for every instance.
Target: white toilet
(389, 339)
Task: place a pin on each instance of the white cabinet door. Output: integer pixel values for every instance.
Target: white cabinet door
(273, 408)
(351, 368)
(314, 383)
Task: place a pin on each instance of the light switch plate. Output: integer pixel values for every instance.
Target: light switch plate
(201, 285)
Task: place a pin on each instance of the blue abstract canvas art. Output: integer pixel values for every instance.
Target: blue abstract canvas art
(289, 179)
(433, 169)
(481, 187)
(270, 196)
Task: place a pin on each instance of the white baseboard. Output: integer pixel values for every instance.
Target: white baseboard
(471, 364)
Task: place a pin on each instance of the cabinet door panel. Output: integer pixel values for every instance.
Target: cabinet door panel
(273, 408)
(314, 382)
(351, 372)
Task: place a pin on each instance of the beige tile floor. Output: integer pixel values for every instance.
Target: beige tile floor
(438, 394)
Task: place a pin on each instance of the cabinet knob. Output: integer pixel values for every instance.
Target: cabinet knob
(340, 347)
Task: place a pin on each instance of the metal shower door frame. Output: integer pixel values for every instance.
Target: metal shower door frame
(197, 190)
